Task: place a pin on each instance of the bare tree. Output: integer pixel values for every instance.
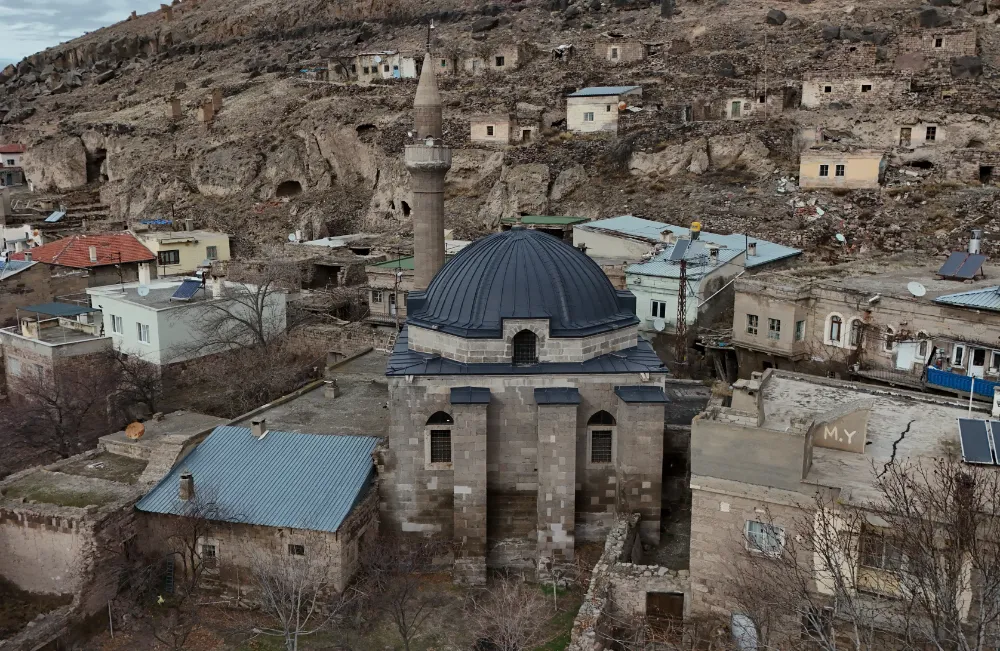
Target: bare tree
(391, 583)
(915, 567)
(295, 594)
(510, 616)
(136, 380)
(60, 414)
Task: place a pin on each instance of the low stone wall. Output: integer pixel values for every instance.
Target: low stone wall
(619, 585)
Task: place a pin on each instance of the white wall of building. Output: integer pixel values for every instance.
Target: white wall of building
(664, 290)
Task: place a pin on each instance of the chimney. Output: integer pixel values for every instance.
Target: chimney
(258, 427)
(186, 489)
(217, 286)
(975, 240)
(93, 254)
(713, 254)
(188, 224)
(144, 273)
(751, 249)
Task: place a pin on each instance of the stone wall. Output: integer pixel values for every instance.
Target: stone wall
(862, 91)
(942, 45)
(620, 51)
(619, 585)
(28, 287)
(550, 349)
(419, 498)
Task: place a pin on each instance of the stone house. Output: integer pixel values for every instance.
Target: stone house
(496, 129)
(52, 340)
(916, 49)
(390, 64)
(759, 466)
(596, 109)
(920, 134)
(620, 51)
(841, 167)
(826, 89)
(871, 323)
(522, 413)
(310, 497)
(505, 57)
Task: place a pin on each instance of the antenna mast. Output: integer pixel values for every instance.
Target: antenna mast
(681, 327)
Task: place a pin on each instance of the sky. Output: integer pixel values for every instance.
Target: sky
(29, 26)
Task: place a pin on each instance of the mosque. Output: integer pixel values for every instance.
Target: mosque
(526, 410)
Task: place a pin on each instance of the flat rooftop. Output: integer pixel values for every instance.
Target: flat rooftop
(158, 297)
(55, 335)
(360, 409)
(97, 480)
(889, 277)
(173, 428)
(916, 426)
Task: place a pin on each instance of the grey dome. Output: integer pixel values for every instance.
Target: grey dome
(521, 274)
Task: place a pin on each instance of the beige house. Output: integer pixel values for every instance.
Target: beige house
(291, 507)
(827, 167)
(920, 134)
(788, 443)
(596, 109)
(509, 56)
(869, 321)
(497, 129)
(183, 252)
(820, 90)
(620, 51)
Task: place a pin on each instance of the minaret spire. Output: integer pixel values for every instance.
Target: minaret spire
(428, 160)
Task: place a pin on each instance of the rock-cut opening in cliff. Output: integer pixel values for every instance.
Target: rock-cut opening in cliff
(95, 166)
(288, 189)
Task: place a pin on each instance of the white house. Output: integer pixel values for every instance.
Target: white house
(170, 320)
(597, 108)
(369, 66)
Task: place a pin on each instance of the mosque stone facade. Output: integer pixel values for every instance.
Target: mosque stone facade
(526, 410)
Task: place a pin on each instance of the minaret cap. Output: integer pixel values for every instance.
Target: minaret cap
(427, 105)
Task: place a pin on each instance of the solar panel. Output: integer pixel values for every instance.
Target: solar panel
(952, 264)
(970, 267)
(187, 290)
(975, 438)
(56, 216)
(679, 249)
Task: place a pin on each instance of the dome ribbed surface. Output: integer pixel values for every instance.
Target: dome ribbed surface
(522, 274)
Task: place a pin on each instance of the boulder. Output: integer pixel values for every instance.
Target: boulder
(850, 34)
(727, 69)
(931, 18)
(966, 67)
(57, 164)
(105, 77)
(484, 24)
(831, 33)
(796, 23)
(568, 180)
(775, 17)
(595, 5)
(739, 152)
(572, 12)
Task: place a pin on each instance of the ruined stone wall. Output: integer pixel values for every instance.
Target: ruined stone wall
(40, 553)
(620, 51)
(419, 497)
(821, 91)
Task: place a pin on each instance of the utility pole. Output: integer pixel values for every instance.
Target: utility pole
(680, 353)
(765, 76)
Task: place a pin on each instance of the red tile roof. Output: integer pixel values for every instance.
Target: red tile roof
(75, 251)
(12, 149)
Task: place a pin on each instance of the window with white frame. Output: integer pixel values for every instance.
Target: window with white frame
(774, 329)
(588, 117)
(658, 309)
(212, 252)
(209, 557)
(763, 538)
(958, 355)
(995, 361)
(614, 53)
(489, 130)
(879, 550)
(824, 170)
(752, 323)
(142, 332)
(376, 296)
(840, 170)
(800, 330)
(931, 134)
(834, 329)
(117, 327)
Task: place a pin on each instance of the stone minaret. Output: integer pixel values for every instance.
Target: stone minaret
(428, 161)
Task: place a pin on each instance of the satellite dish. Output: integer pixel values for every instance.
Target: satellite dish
(143, 290)
(659, 324)
(378, 59)
(840, 238)
(291, 237)
(916, 289)
(135, 430)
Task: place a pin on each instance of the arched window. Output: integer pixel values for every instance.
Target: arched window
(856, 333)
(601, 418)
(889, 344)
(438, 439)
(441, 418)
(525, 348)
(601, 430)
(836, 325)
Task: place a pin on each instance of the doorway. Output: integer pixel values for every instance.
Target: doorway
(525, 135)
(735, 109)
(977, 365)
(985, 174)
(664, 608)
(905, 134)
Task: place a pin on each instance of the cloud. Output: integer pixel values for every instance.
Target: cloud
(45, 23)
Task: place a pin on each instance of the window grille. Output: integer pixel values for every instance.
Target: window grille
(600, 446)
(441, 446)
(525, 348)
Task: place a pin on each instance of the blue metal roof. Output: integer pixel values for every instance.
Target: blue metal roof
(470, 396)
(767, 252)
(638, 359)
(603, 91)
(285, 479)
(557, 396)
(641, 393)
(699, 262)
(985, 298)
(521, 274)
(12, 267)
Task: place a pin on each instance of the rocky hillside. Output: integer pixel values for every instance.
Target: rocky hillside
(287, 151)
